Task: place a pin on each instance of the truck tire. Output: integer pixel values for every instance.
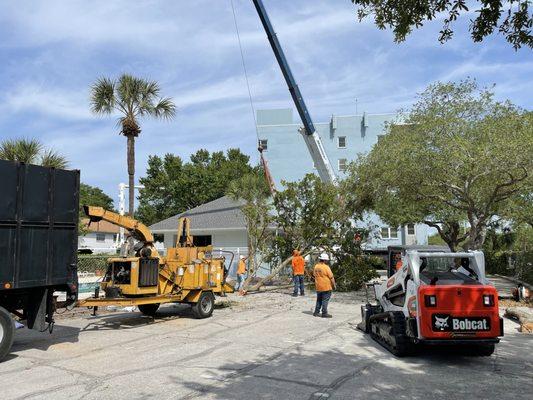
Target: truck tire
(205, 306)
(7, 332)
(149, 309)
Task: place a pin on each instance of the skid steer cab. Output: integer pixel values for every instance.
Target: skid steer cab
(435, 298)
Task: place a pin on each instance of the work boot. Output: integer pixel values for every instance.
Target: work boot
(326, 315)
(316, 314)
(302, 294)
(295, 295)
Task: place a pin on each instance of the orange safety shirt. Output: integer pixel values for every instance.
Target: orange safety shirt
(399, 265)
(323, 276)
(298, 265)
(241, 268)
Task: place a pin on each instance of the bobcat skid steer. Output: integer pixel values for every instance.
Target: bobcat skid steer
(435, 298)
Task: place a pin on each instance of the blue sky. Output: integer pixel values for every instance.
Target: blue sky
(52, 51)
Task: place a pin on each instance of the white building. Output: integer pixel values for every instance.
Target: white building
(101, 238)
(219, 223)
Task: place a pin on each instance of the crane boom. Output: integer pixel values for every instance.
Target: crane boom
(309, 133)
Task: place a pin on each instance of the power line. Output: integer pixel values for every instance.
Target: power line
(244, 68)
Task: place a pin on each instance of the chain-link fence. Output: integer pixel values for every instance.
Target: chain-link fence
(92, 263)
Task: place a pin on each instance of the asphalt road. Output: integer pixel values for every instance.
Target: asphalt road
(265, 346)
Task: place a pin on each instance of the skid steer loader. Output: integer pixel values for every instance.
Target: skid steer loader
(435, 298)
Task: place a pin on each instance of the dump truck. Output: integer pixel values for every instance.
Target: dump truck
(435, 299)
(141, 277)
(38, 242)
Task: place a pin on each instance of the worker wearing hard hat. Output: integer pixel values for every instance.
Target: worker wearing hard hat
(298, 270)
(241, 272)
(324, 283)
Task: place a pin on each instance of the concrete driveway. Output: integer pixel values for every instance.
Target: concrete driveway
(265, 346)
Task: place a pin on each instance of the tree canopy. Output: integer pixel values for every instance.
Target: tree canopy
(513, 19)
(94, 196)
(173, 186)
(458, 160)
(31, 151)
(133, 98)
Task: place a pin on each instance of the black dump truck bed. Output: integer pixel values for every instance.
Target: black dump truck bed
(38, 245)
(38, 226)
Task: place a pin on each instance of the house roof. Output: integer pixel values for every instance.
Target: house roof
(222, 213)
(101, 226)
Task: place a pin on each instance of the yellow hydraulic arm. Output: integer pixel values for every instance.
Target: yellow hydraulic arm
(138, 230)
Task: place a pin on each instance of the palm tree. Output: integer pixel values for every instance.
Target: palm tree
(133, 98)
(31, 151)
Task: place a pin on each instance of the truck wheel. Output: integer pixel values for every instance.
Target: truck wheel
(7, 332)
(205, 305)
(148, 309)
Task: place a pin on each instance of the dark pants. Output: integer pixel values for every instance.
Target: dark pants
(322, 300)
(298, 283)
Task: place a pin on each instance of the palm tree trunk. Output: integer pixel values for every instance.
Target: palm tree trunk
(131, 173)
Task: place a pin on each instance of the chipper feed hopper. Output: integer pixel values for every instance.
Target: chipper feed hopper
(435, 298)
(141, 277)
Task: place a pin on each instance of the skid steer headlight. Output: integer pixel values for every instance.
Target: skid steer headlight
(411, 306)
(430, 300)
(488, 300)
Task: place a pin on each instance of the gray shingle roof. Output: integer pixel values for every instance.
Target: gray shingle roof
(222, 213)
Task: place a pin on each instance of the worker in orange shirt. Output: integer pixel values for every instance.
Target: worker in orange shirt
(324, 283)
(241, 272)
(298, 269)
(399, 263)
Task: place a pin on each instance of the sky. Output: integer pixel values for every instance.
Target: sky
(52, 51)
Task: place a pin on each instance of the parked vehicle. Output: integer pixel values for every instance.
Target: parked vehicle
(38, 243)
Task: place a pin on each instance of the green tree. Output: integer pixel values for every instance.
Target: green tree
(254, 193)
(314, 216)
(172, 186)
(133, 98)
(456, 163)
(94, 196)
(31, 151)
(512, 18)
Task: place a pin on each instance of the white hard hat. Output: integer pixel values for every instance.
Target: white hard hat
(241, 257)
(324, 257)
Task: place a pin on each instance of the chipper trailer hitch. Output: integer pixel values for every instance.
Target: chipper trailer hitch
(142, 277)
(435, 298)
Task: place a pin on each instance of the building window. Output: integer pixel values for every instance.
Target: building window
(341, 142)
(389, 233)
(100, 237)
(159, 238)
(263, 144)
(342, 164)
(410, 229)
(202, 240)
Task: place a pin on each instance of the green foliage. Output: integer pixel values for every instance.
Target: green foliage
(31, 151)
(132, 98)
(512, 19)
(94, 196)
(350, 266)
(254, 192)
(314, 216)
(459, 156)
(172, 186)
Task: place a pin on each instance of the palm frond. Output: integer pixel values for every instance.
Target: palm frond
(165, 109)
(51, 158)
(103, 96)
(22, 150)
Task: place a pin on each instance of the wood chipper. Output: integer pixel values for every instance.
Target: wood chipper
(143, 278)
